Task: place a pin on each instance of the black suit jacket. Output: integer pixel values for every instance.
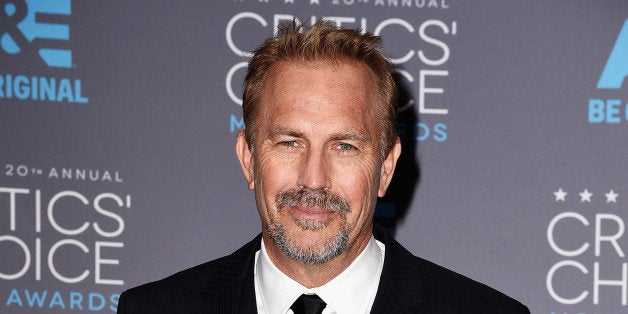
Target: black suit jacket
(408, 284)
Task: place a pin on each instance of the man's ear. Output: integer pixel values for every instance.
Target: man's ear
(388, 168)
(246, 159)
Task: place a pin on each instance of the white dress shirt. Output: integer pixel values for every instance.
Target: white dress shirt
(352, 291)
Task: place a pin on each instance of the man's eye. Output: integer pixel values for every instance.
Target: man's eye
(289, 143)
(345, 146)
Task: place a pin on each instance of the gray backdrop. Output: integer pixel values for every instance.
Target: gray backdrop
(118, 120)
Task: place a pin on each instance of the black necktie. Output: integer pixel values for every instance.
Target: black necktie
(308, 304)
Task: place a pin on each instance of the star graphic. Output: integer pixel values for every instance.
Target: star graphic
(585, 196)
(611, 196)
(560, 195)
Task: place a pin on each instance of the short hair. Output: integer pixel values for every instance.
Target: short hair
(324, 43)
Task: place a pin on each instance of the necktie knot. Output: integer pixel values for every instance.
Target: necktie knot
(308, 304)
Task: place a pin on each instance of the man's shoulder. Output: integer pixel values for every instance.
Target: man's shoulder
(190, 277)
(424, 284)
(186, 290)
(454, 288)
(184, 287)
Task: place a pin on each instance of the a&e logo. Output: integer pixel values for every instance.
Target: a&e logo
(612, 77)
(29, 26)
(31, 31)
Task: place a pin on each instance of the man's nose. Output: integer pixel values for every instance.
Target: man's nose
(314, 172)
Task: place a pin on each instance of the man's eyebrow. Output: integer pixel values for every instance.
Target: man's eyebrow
(341, 136)
(284, 132)
(350, 136)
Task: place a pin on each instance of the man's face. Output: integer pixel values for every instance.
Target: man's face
(316, 167)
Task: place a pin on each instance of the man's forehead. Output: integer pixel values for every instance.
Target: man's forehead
(297, 98)
(359, 70)
(350, 83)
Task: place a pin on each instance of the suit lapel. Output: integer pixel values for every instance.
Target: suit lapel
(231, 287)
(400, 287)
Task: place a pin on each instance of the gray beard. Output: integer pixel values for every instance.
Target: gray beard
(313, 256)
(305, 197)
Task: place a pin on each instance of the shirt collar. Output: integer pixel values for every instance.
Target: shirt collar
(352, 291)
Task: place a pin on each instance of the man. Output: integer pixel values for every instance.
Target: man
(318, 149)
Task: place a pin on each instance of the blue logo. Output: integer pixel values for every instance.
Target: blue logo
(612, 110)
(24, 26)
(616, 68)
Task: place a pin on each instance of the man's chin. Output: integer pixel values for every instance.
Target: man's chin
(312, 247)
(309, 246)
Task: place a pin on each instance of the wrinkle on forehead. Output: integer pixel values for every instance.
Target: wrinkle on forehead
(274, 88)
(368, 79)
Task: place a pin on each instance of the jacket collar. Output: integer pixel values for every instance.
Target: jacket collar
(230, 288)
(400, 287)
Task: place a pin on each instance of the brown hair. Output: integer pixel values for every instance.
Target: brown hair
(326, 43)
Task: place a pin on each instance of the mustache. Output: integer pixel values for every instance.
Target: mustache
(310, 198)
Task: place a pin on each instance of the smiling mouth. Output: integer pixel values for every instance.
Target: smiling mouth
(310, 218)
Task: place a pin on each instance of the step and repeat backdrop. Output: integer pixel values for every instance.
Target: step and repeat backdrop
(118, 122)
